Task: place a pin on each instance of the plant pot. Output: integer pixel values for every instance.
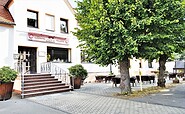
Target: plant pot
(6, 91)
(76, 82)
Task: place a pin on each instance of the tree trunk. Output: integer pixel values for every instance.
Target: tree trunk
(162, 62)
(125, 77)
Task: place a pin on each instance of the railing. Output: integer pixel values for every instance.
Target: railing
(58, 72)
(19, 67)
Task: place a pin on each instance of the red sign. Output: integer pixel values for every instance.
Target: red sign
(47, 38)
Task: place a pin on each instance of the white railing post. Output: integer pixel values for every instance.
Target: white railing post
(53, 69)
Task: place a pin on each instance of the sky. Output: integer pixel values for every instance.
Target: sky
(73, 3)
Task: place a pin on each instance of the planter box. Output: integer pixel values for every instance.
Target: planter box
(6, 91)
(75, 82)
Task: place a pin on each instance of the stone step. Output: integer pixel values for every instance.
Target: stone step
(39, 89)
(43, 85)
(40, 80)
(40, 83)
(38, 77)
(45, 92)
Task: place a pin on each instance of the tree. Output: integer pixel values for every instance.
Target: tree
(112, 31)
(164, 32)
(106, 34)
(182, 56)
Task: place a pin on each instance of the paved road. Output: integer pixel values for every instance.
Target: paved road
(94, 99)
(174, 97)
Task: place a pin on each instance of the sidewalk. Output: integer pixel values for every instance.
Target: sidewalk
(92, 98)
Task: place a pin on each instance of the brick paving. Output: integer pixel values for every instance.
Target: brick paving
(97, 99)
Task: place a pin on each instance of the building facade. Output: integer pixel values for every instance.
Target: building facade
(6, 35)
(43, 34)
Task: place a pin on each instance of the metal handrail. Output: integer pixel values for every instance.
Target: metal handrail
(19, 68)
(54, 70)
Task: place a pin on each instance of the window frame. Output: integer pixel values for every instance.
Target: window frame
(150, 65)
(50, 29)
(67, 25)
(37, 18)
(57, 54)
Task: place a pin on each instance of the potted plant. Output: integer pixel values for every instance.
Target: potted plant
(176, 80)
(7, 76)
(77, 74)
(183, 78)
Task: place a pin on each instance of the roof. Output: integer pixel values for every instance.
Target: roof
(69, 6)
(5, 15)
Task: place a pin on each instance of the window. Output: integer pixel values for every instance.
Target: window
(50, 22)
(140, 65)
(57, 54)
(150, 64)
(63, 26)
(32, 19)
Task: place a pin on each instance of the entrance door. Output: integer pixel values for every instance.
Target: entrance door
(29, 58)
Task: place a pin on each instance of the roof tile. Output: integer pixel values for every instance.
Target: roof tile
(5, 15)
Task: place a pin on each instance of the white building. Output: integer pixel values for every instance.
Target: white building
(43, 33)
(6, 35)
(43, 30)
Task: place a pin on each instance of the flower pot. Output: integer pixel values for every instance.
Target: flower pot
(175, 81)
(76, 82)
(6, 91)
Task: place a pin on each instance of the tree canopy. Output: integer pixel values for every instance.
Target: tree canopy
(112, 31)
(165, 32)
(106, 28)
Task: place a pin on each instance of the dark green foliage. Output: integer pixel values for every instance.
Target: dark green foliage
(105, 26)
(162, 33)
(78, 71)
(7, 74)
(182, 56)
(112, 31)
(164, 29)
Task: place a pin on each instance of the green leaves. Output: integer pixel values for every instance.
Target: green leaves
(7, 74)
(105, 27)
(78, 71)
(114, 29)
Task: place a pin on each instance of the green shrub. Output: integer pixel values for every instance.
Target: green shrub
(78, 71)
(7, 74)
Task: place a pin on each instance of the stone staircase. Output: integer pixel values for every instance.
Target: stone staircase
(41, 84)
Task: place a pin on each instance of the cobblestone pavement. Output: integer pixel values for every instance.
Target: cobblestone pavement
(97, 99)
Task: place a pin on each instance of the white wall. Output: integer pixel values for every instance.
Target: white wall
(6, 46)
(88, 66)
(59, 9)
